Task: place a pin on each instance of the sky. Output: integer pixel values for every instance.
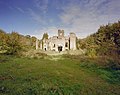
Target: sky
(35, 17)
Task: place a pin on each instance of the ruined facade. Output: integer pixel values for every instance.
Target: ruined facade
(60, 42)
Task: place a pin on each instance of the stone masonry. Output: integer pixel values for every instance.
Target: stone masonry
(60, 42)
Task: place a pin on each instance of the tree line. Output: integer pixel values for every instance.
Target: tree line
(105, 42)
(13, 43)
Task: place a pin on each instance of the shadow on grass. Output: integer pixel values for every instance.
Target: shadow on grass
(109, 72)
(107, 68)
(5, 58)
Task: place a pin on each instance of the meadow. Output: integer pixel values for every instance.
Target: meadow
(67, 75)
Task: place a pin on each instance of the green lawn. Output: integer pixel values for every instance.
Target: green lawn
(65, 76)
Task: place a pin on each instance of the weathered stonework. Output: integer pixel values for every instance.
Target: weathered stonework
(60, 42)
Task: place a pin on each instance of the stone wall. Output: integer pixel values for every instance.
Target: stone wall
(56, 42)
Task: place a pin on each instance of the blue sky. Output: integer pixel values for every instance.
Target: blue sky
(35, 17)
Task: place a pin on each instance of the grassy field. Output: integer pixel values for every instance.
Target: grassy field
(67, 75)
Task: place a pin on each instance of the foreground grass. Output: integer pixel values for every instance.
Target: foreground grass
(65, 76)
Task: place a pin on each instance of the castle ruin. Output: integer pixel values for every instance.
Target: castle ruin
(60, 42)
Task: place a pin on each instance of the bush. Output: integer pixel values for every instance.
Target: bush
(113, 64)
(91, 53)
(14, 45)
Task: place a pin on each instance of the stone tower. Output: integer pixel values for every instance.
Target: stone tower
(60, 42)
(72, 41)
(60, 33)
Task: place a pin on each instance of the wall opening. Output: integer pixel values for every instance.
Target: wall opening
(45, 49)
(59, 48)
(69, 43)
(66, 44)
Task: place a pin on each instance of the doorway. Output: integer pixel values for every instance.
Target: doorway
(59, 48)
(45, 49)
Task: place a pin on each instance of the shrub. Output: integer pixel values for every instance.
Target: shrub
(91, 53)
(14, 46)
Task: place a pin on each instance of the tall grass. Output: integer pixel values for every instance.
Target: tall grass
(71, 75)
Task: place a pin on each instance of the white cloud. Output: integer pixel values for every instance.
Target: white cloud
(95, 3)
(42, 5)
(50, 30)
(36, 17)
(20, 9)
(87, 18)
(83, 17)
(111, 8)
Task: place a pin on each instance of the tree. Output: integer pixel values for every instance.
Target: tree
(106, 41)
(45, 36)
(3, 38)
(14, 44)
(33, 41)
